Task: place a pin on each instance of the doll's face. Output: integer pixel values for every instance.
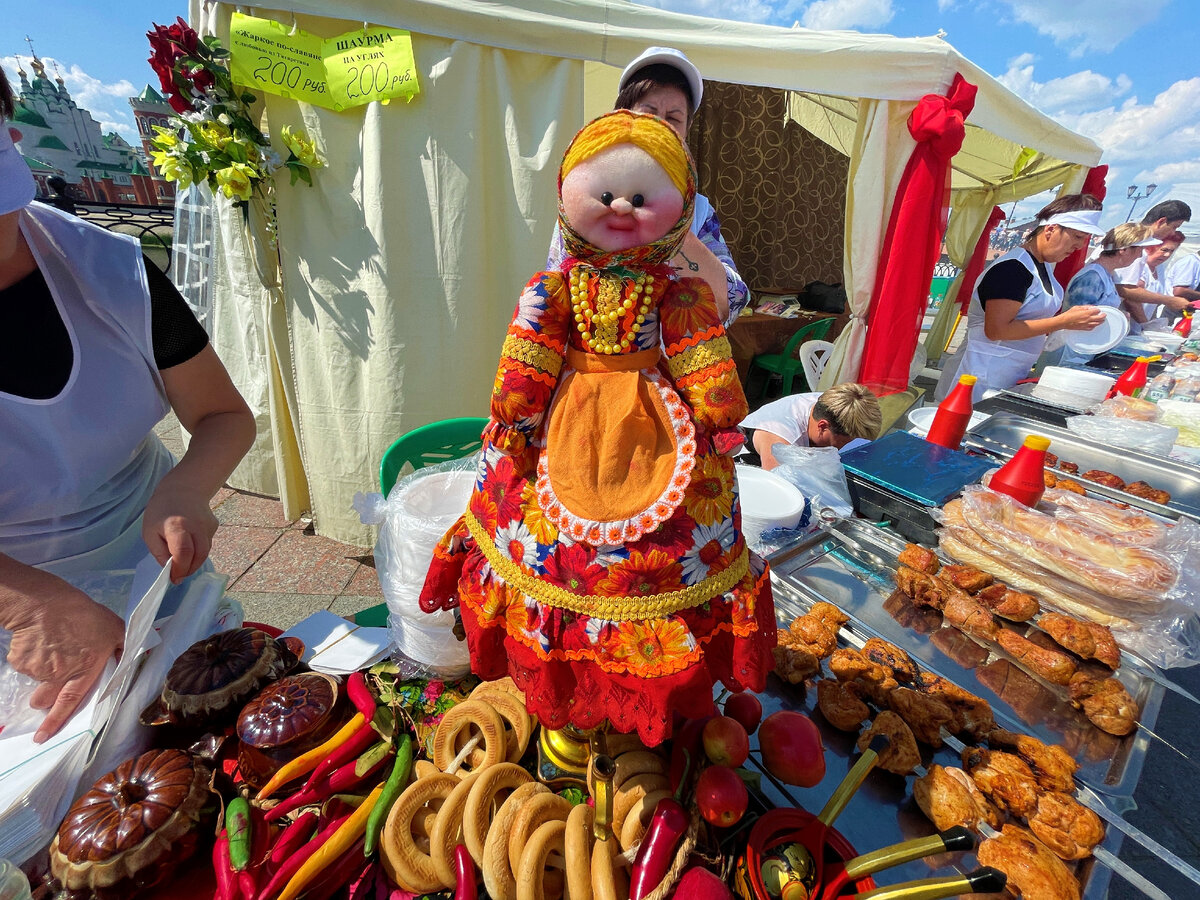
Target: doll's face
(621, 198)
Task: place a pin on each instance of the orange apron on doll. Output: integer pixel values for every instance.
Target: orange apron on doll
(600, 562)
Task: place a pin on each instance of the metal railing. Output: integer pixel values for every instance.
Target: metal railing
(153, 226)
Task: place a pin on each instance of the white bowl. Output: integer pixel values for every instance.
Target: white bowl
(921, 418)
(768, 501)
(1103, 337)
(1091, 385)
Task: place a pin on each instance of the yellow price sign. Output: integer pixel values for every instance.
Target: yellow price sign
(373, 64)
(268, 56)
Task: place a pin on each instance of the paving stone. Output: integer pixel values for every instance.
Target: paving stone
(281, 610)
(365, 583)
(236, 549)
(301, 564)
(251, 509)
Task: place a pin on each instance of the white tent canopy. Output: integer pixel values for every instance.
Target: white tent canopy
(400, 268)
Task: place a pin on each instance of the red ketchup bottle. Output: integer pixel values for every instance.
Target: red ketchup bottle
(1183, 327)
(1023, 477)
(1132, 380)
(953, 415)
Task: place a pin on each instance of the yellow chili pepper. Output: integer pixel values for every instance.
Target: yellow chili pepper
(337, 844)
(306, 762)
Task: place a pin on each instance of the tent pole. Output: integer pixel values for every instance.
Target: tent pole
(957, 319)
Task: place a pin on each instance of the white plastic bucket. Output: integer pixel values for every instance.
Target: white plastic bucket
(768, 501)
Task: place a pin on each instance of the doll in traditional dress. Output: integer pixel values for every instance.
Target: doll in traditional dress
(600, 561)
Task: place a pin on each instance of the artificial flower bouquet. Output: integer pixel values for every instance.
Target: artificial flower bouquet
(217, 139)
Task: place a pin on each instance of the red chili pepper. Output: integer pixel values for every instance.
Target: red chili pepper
(227, 888)
(343, 871)
(246, 885)
(292, 837)
(657, 851)
(293, 863)
(339, 782)
(360, 741)
(360, 695)
(464, 870)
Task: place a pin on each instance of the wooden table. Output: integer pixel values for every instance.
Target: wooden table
(758, 333)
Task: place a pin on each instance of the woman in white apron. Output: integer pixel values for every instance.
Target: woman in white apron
(85, 486)
(1016, 303)
(1093, 285)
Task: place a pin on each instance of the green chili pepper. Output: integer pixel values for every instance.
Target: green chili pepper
(396, 783)
(237, 826)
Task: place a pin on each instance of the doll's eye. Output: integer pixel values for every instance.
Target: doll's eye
(606, 198)
(638, 200)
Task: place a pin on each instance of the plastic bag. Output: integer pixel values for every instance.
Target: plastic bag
(1128, 434)
(420, 509)
(1184, 416)
(818, 473)
(1149, 597)
(1123, 406)
(16, 692)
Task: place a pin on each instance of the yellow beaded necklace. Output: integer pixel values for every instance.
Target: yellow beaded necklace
(610, 326)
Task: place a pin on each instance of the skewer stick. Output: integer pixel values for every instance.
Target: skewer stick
(1092, 801)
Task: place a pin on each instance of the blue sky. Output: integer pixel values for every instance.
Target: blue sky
(1124, 74)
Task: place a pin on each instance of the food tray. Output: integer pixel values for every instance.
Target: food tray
(913, 520)
(858, 580)
(1116, 361)
(1181, 481)
(1025, 407)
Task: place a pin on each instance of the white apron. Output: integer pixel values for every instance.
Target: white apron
(1001, 364)
(88, 459)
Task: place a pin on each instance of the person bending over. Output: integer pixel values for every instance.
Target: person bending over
(830, 419)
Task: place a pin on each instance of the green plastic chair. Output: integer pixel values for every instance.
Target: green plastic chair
(425, 446)
(786, 364)
(429, 445)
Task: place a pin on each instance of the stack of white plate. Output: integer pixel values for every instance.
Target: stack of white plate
(768, 501)
(1169, 341)
(1104, 336)
(921, 418)
(1090, 385)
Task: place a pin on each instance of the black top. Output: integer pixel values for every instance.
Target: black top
(35, 347)
(1010, 280)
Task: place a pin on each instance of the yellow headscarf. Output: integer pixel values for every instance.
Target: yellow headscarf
(625, 127)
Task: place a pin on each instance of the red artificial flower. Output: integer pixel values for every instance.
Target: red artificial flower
(169, 44)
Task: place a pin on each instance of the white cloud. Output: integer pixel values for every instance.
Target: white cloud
(1100, 25)
(843, 14)
(1080, 90)
(944, 5)
(1156, 142)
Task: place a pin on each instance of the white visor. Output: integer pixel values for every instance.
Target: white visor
(17, 187)
(1147, 242)
(668, 56)
(1086, 220)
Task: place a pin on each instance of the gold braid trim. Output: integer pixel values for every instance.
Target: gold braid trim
(613, 609)
(693, 359)
(533, 354)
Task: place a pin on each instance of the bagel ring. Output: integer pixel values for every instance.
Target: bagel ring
(637, 820)
(546, 839)
(577, 850)
(497, 871)
(447, 829)
(539, 809)
(609, 881)
(423, 767)
(631, 793)
(501, 685)
(405, 863)
(512, 711)
(481, 804)
(637, 762)
(459, 719)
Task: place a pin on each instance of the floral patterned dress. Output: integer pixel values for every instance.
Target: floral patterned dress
(600, 561)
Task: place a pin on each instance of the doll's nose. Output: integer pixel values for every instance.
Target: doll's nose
(621, 206)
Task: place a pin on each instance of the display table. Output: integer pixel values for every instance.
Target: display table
(758, 333)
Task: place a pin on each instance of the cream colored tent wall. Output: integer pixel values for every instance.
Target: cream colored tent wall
(402, 264)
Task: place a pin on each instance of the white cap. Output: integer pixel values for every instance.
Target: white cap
(1086, 220)
(17, 187)
(668, 56)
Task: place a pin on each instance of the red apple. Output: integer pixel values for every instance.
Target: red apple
(746, 708)
(791, 748)
(725, 741)
(721, 795)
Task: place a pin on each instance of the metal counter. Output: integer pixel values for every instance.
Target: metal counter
(854, 571)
